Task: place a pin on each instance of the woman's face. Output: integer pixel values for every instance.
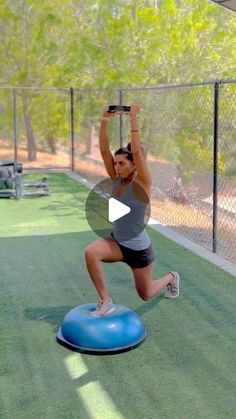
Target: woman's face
(123, 166)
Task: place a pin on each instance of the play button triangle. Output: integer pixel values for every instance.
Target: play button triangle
(117, 209)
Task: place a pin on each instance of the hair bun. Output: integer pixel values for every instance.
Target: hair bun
(128, 147)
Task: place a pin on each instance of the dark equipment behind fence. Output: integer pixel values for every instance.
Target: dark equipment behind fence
(12, 185)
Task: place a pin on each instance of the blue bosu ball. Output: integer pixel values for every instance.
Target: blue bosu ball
(116, 332)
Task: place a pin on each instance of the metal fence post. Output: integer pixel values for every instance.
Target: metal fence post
(121, 120)
(14, 98)
(72, 138)
(215, 166)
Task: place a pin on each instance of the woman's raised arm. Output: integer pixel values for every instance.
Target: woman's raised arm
(104, 145)
(143, 173)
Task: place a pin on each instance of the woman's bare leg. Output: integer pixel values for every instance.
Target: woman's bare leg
(146, 286)
(102, 250)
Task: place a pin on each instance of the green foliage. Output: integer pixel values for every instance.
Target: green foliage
(119, 43)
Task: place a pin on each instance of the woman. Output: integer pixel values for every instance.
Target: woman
(128, 164)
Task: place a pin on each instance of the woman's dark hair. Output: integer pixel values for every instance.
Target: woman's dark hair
(127, 151)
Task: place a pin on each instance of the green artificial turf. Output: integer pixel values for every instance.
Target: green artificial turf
(186, 367)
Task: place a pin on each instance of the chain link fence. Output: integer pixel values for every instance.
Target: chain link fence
(226, 164)
(189, 131)
(177, 125)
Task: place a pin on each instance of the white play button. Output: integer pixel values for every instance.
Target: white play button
(106, 212)
(117, 210)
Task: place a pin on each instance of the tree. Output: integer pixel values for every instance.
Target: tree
(27, 48)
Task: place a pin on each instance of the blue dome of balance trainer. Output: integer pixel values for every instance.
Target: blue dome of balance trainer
(116, 332)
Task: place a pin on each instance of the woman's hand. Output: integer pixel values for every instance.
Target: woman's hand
(134, 109)
(107, 114)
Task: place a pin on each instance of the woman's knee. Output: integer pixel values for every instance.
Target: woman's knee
(90, 253)
(144, 294)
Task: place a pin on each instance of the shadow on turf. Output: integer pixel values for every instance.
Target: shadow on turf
(51, 315)
(149, 305)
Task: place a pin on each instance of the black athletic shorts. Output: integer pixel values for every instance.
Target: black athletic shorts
(136, 258)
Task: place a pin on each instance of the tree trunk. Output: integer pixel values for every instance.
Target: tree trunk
(134, 10)
(31, 143)
(89, 131)
(52, 144)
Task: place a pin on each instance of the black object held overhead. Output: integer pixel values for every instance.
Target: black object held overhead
(118, 108)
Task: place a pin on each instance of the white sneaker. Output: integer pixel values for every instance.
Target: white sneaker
(173, 287)
(103, 308)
